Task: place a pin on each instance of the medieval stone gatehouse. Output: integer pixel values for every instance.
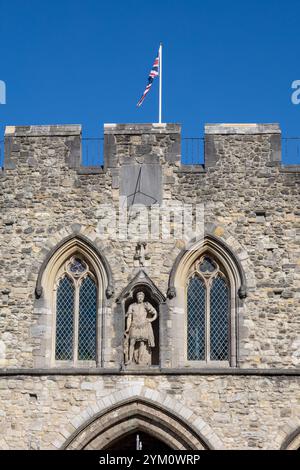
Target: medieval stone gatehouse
(149, 297)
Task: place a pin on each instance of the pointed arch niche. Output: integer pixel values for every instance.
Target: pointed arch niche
(206, 290)
(142, 283)
(137, 415)
(73, 285)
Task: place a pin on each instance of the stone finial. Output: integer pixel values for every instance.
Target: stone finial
(141, 254)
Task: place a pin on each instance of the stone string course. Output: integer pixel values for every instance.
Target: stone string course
(251, 203)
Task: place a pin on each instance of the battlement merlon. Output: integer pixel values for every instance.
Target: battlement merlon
(158, 143)
(17, 142)
(154, 141)
(217, 134)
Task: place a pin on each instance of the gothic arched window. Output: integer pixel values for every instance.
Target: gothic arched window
(76, 312)
(208, 312)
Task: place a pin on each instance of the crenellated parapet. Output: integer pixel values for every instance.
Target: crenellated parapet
(124, 145)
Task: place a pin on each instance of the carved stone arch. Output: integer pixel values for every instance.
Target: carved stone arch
(177, 293)
(137, 408)
(216, 246)
(141, 279)
(43, 331)
(136, 415)
(292, 441)
(84, 244)
(153, 295)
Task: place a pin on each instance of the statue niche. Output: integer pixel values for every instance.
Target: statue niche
(141, 308)
(139, 338)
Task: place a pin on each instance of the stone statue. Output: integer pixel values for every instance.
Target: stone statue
(139, 337)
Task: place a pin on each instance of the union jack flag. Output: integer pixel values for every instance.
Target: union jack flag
(153, 73)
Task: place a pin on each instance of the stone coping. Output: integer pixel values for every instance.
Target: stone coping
(49, 130)
(137, 128)
(146, 128)
(290, 168)
(185, 168)
(91, 170)
(154, 371)
(227, 128)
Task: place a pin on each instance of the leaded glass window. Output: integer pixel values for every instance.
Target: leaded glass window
(76, 312)
(64, 319)
(208, 312)
(196, 319)
(87, 319)
(219, 314)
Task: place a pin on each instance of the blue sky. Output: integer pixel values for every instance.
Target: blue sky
(87, 62)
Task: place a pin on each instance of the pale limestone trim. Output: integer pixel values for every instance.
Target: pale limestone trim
(77, 281)
(207, 280)
(179, 303)
(9, 130)
(289, 436)
(3, 444)
(242, 128)
(79, 424)
(72, 248)
(45, 307)
(130, 425)
(294, 444)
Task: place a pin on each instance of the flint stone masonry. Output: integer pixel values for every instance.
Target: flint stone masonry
(229, 413)
(47, 196)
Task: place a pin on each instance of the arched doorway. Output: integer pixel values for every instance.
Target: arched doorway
(292, 442)
(138, 440)
(120, 425)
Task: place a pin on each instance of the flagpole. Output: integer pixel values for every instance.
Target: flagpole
(160, 83)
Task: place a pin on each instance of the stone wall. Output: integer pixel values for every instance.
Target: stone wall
(229, 412)
(251, 203)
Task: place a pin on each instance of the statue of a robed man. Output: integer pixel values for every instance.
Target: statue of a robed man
(139, 337)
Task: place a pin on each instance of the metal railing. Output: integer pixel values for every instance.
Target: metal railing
(92, 151)
(1, 153)
(192, 150)
(291, 150)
